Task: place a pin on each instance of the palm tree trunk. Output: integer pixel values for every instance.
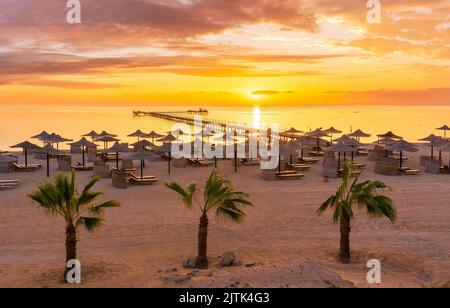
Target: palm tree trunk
(344, 255)
(202, 258)
(71, 246)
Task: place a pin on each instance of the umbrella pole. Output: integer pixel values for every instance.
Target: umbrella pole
(432, 152)
(83, 156)
(440, 155)
(303, 152)
(279, 163)
(401, 159)
(117, 160)
(339, 161)
(48, 165)
(170, 158)
(26, 158)
(215, 162)
(318, 146)
(142, 169)
(353, 156)
(235, 160)
(290, 159)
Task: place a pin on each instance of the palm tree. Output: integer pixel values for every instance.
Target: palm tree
(364, 195)
(60, 197)
(219, 196)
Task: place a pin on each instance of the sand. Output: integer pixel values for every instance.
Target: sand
(281, 243)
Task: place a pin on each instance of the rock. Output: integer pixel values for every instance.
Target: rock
(160, 270)
(193, 273)
(228, 259)
(251, 265)
(171, 270)
(188, 263)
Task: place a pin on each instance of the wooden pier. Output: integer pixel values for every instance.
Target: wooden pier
(188, 117)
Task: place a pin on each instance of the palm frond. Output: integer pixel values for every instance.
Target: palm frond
(98, 209)
(91, 224)
(187, 195)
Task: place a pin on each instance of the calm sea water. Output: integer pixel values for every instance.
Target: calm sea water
(19, 122)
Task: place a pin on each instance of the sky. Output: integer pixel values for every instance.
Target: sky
(225, 52)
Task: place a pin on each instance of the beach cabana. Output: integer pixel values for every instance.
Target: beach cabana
(26, 146)
(83, 143)
(48, 149)
(139, 134)
(141, 155)
(444, 128)
(402, 146)
(332, 131)
(116, 148)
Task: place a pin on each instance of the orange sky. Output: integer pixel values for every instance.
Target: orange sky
(223, 52)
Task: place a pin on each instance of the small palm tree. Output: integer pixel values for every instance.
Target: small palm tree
(60, 197)
(364, 195)
(219, 196)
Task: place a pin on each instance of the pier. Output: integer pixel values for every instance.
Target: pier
(187, 117)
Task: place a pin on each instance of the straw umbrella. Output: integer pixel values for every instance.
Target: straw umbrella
(353, 143)
(176, 132)
(42, 136)
(445, 128)
(445, 148)
(358, 134)
(389, 135)
(142, 155)
(48, 149)
(339, 148)
(431, 138)
(317, 134)
(289, 149)
(402, 146)
(293, 131)
(116, 148)
(332, 131)
(166, 148)
(56, 139)
(437, 143)
(168, 139)
(83, 143)
(153, 135)
(139, 134)
(93, 134)
(26, 146)
(106, 134)
(106, 139)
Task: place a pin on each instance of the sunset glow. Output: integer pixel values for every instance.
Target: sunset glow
(212, 52)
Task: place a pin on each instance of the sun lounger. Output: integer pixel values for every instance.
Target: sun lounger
(358, 166)
(23, 168)
(315, 153)
(144, 181)
(298, 167)
(353, 173)
(136, 177)
(8, 184)
(251, 162)
(309, 160)
(408, 171)
(128, 171)
(200, 162)
(290, 176)
(80, 167)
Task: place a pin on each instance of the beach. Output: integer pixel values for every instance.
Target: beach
(281, 243)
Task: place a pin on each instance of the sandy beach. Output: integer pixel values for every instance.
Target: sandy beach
(281, 243)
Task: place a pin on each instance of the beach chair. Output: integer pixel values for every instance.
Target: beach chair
(298, 167)
(353, 173)
(8, 184)
(408, 171)
(250, 162)
(147, 180)
(358, 166)
(309, 160)
(23, 168)
(80, 167)
(290, 175)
